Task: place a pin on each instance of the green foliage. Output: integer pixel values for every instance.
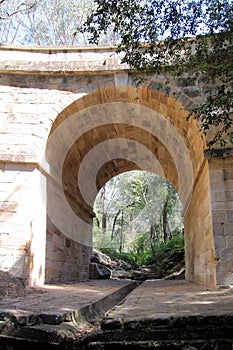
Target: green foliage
(114, 255)
(194, 37)
(162, 250)
(140, 209)
(146, 200)
(140, 244)
(168, 256)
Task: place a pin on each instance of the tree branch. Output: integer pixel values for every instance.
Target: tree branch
(17, 11)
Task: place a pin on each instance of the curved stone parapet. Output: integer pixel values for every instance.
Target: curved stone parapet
(49, 60)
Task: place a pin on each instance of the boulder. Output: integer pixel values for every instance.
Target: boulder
(98, 271)
(100, 258)
(139, 275)
(121, 274)
(132, 274)
(123, 265)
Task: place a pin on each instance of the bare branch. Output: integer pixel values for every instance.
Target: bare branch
(17, 11)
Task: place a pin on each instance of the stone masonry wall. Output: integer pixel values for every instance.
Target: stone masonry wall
(16, 200)
(199, 244)
(22, 225)
(26, 116)
(28, 107)
(67, 260)
(221, 177)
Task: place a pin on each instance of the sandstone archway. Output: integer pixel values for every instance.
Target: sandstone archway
(109, 132)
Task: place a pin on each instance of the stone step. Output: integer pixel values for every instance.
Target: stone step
(162, 311)
(200, 344)
(180, 333)
(56, 327)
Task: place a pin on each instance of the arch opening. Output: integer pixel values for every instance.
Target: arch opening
(138, 215)
(109, 132)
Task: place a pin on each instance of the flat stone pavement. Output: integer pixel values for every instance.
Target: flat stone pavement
(166, 299)
(60, 301)
(58, 314)
(151, 299)
(123, 311)
(163, 314)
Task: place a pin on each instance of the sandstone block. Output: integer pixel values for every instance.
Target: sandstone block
(228, 228)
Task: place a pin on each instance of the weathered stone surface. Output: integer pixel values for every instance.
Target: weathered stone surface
(62, 314)
(99, 271)
(100, 258)
(222, 216)
(124, 265)
(168, 315)
(130, 274)
(158, 314)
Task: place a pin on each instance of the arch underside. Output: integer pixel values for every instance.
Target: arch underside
(122, 148)
(142, 126)
(121, 129)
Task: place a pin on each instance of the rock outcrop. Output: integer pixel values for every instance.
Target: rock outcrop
(99, 271)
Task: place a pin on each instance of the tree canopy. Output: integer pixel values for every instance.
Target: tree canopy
(43, 22)
(177, 36)
(135, 207)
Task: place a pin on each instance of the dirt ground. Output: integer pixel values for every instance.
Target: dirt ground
(12, 287)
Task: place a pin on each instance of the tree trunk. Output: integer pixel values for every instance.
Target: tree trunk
(114, 224)
(152, 233)
(131, 225)
(104, 222)
(104, 213)
(165, 221)
(121, 232)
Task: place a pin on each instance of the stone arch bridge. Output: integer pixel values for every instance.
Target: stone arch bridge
(70, 120)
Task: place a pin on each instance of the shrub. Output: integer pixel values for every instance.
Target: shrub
(166, 257)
